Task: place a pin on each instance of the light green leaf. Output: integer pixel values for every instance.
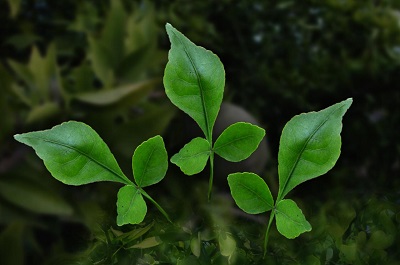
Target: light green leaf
(147, 243)
(238, 141)
(74, 154)
(43, 112)
(192, 158)
(290, 220)
(33, 197)
(194, 80)
(150, 162)
(131, 207)
(135, 92)
(250, 192)
(227, 244)
(310, 146)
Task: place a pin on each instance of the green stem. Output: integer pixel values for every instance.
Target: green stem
(210, 182)
(271, 218)
(156, 204)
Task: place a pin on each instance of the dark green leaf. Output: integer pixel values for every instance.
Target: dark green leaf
(74, 154)
(194, 80)
(290, 220)
(131, 207)
(250, 193)
(238, 141)
(309, 146)
(192, 158)
(150, 162)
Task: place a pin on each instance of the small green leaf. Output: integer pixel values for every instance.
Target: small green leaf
(131, 207)
(194, 80)
(309, 146)
(147, 243)
(238, 141)
(290, 220)
(192, 158)
(74, 154)
(250, 193)
(227, 244)
(150, 162)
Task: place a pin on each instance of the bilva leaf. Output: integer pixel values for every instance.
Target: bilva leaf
(131, 207)
(193, 157)
(74, 154)
(290, 220)
(238, 141)
(309, 146)
(150, 162)
(250, 193)
(194, 80)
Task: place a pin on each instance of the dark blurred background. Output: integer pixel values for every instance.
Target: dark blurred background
(102, 61)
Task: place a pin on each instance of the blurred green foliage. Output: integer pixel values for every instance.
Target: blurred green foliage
(101, 62)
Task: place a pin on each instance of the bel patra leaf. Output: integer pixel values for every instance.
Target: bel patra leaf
(194, 80)
(250, 192)
(310, 146)
(150, 162)
(290, 220)
(74, 154)
(131, 207)
(193, 157)
(238, 141)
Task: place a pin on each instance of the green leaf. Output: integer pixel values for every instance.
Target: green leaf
(290, 220)
(309, 146)
(147, 243)
(238, 141)
(250, 192)
(43, 112)
(194, 80)
(150, 162)
(192, 158)
(227, 244)
(74, 154)
(131, 207)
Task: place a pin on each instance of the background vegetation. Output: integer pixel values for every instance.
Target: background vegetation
(102, 62)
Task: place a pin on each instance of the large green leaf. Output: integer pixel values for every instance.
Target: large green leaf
(131, 207)
(194, 80)
(193, 157)
(238, 141)
(250, 192)
(309, 146)
(74, 154)
(150, 162)
(290, 220)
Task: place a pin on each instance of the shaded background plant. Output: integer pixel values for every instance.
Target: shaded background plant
(281, 58)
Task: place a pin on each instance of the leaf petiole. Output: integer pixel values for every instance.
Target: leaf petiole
(145, 194)
(210, 182)
(271, 218)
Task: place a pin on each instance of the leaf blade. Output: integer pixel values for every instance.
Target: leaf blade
(193, 157)
(238, 141)
(250, 192)
(150, 162)
(74, 154)
(131, 207)
(194, 80)
(309, 146)
(290, 220)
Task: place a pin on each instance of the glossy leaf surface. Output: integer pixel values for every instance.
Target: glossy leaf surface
(310, 146)
(238, 141)
(131, 207)
(192, 158)
(150, 162)
(250, 192)
(194, 80)
(74, 154)
(290, 220)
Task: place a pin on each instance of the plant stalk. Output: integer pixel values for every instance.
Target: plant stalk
(271, 218)
(210, 182)
(156, 204)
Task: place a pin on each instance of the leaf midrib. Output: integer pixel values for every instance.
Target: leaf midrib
(257, 195)
(82, 153)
